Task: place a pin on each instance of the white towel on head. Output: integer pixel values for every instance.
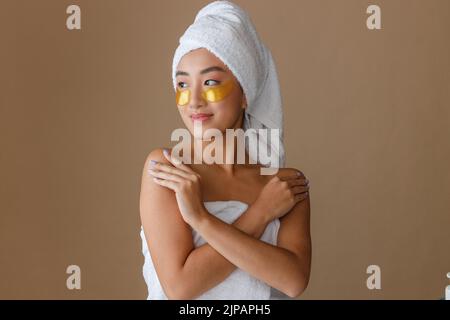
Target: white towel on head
(226, 30)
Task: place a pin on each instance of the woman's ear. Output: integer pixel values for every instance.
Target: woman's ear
(244, 102)
(244, 99)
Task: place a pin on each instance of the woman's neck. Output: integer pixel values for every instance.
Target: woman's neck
(223, 155)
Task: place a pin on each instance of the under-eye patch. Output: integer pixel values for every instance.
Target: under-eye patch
(213, 94)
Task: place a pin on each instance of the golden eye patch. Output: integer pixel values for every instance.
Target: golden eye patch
(213, 94)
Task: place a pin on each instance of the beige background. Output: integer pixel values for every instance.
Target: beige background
(367, 120)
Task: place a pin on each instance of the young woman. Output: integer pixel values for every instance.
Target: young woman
(223, 230)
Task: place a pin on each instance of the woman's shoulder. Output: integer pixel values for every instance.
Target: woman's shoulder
(285, 172)
(157, 155)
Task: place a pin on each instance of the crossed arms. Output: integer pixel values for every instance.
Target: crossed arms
(185, 272)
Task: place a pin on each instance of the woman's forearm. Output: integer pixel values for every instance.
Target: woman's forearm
(276, 266)
(205, 268)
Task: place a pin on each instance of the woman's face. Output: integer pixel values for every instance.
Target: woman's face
(200, 70)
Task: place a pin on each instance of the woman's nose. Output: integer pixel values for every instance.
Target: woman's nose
(197, 99)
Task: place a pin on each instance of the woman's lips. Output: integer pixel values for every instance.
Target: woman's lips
(201, 117)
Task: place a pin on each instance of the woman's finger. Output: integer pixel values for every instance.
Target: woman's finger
(301, 196)
(177, 162)
(166, 183)
(299, 189)
(158, 166)
(290, 177)
(191, 174)
(165, 175)
(294, 176)
(298, 182)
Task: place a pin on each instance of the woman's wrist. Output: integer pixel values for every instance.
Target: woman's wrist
(258, 210)
(262, 211)
(200, 218)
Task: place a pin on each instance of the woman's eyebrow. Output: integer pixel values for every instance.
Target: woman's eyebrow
(210, 69)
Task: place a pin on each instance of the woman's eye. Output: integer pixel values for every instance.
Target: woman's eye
(182, 85)
(211, 82)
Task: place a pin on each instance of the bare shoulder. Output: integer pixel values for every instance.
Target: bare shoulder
(168, 237)
(294, 233)
(157, 155)
(286, 172)
(301, 210)
(152, 194)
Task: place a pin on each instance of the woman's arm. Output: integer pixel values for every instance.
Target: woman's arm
(185, 271)
(285, 267)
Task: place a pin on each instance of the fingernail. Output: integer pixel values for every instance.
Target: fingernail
(153, 162)
(299, 173)
(166, 152)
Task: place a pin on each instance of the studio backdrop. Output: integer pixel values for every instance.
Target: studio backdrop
(367, 119)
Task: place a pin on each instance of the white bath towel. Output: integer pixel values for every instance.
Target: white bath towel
(239, 285)
(226, 30)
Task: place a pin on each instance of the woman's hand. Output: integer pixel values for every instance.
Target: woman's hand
(184, 182)
(280, 195)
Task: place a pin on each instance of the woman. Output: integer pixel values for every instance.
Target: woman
(224, 230)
